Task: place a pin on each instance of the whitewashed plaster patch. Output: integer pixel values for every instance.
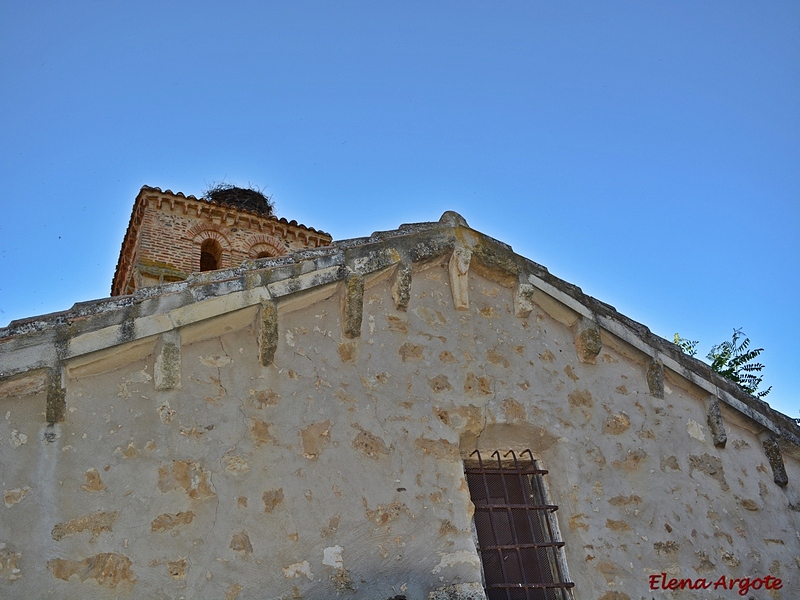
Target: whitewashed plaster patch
(297, 570)
(695, 430)
(333, 557)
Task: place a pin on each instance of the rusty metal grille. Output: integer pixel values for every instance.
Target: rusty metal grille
(519, 549)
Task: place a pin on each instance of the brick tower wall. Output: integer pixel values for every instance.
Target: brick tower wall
(168, 239)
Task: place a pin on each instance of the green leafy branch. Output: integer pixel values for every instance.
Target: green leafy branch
(733, 359)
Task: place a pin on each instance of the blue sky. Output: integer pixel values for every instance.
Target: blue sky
(646, 151)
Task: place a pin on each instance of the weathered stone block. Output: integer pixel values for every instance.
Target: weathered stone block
(452, 218)
(268, 333)
(523, 299)
(167, 369)
(459, 277)
(56, 396)
(773, 452)
(587, 340)
(401, 285)
(715, 424)
(655, 378)
(107, 569)
(353, 305)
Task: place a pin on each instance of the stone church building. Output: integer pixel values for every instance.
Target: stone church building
(259, 412)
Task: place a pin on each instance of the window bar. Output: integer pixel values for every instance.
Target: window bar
(544, 498)
(523, 488)
(491, 521)
(524, 491)
(551, 575)
(510, 516)
(536, 499)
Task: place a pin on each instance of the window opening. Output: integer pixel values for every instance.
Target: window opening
(518, 539)
(210, 254)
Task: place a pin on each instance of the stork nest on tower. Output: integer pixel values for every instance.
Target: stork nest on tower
(249, 199)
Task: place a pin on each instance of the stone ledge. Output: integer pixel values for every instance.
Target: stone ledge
(34, 342)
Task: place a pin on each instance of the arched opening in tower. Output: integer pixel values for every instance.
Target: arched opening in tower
(210, 255)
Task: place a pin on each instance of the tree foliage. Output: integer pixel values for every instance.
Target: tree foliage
(733, 359)
(688, 346)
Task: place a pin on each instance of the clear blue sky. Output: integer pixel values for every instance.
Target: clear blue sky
(647, 151)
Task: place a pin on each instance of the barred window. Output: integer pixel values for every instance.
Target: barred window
(518, 538)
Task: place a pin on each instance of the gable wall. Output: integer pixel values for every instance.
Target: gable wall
(338, 468)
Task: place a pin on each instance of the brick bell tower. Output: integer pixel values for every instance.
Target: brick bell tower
(170, 235)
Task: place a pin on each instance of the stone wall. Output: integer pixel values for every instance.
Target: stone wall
(316, 451)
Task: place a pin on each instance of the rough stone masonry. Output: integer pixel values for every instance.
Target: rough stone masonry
(297, 427)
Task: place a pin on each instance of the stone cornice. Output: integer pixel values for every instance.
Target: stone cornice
(46, 342)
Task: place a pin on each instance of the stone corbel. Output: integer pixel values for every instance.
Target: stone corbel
(775, 458)
(459, 277)
(588, 343)
(714, 420)
(56, 395)
(523, 298)
(353, 305)
(401, 285)
(655, 378)
(167, 369)
(267, 332)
